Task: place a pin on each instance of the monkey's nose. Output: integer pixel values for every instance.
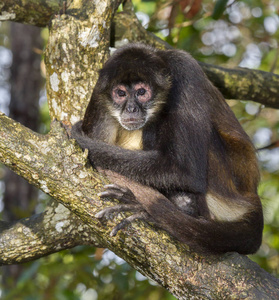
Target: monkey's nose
(131, 109)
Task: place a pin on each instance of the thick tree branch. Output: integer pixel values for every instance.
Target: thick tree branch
(33, 12)
(245, 84)
(56, 165)
(76, 50)
(55, 229)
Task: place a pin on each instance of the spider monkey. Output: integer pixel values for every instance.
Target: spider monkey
(155, 118)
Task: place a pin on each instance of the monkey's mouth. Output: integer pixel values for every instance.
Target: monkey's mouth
(132, 123)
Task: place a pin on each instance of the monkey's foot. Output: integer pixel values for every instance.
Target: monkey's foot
(129, 204)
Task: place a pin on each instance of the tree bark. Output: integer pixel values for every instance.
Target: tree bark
(33, 12)
(56, 229)
(245, 84)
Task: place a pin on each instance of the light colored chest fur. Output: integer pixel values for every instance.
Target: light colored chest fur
(131, 140)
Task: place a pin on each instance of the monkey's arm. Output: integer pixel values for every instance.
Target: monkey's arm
(147, 167)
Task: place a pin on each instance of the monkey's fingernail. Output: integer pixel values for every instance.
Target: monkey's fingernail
(103, 194)
(107, 186)
(113, 232)
(99, 214)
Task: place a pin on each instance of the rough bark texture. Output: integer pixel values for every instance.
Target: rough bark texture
(33, 12)
(57, 166)
(76, 50)
(245, 84)
(51, 231)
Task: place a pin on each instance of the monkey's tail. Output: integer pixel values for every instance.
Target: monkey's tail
(206, 235)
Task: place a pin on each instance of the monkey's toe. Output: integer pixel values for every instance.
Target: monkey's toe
(108, 212)
(117, 192)
(138, 216)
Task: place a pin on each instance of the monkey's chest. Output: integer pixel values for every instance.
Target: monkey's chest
(131, 140)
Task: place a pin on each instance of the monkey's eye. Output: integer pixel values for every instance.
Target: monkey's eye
(141, 92)
(121, 93)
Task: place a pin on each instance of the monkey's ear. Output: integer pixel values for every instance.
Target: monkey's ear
(163, 79)
(103, 81)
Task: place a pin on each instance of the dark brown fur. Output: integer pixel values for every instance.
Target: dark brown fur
(193, 152)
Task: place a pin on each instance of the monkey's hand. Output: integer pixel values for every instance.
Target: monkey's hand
(77, 133)
(128, 203)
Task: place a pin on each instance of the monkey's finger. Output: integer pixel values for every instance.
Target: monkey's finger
(116, 187)
(115, 195)
(109, 211)
(113, 185)
(110, 194)
(117, 192)
(139, 216)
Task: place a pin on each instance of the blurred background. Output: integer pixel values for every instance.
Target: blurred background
(225, 33)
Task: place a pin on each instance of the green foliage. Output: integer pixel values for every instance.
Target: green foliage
(219, 9)
(78, 274)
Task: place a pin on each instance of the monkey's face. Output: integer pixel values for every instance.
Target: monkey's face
(132, 105)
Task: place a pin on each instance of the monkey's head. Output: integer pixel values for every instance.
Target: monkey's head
(133, 85)
(131, 104)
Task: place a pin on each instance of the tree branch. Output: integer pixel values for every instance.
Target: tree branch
(56, 165)
(76, 50)
(245, 84)
(33, 12)
(56, 229)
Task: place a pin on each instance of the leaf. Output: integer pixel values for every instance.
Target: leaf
(219, 8)
(190, 8)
